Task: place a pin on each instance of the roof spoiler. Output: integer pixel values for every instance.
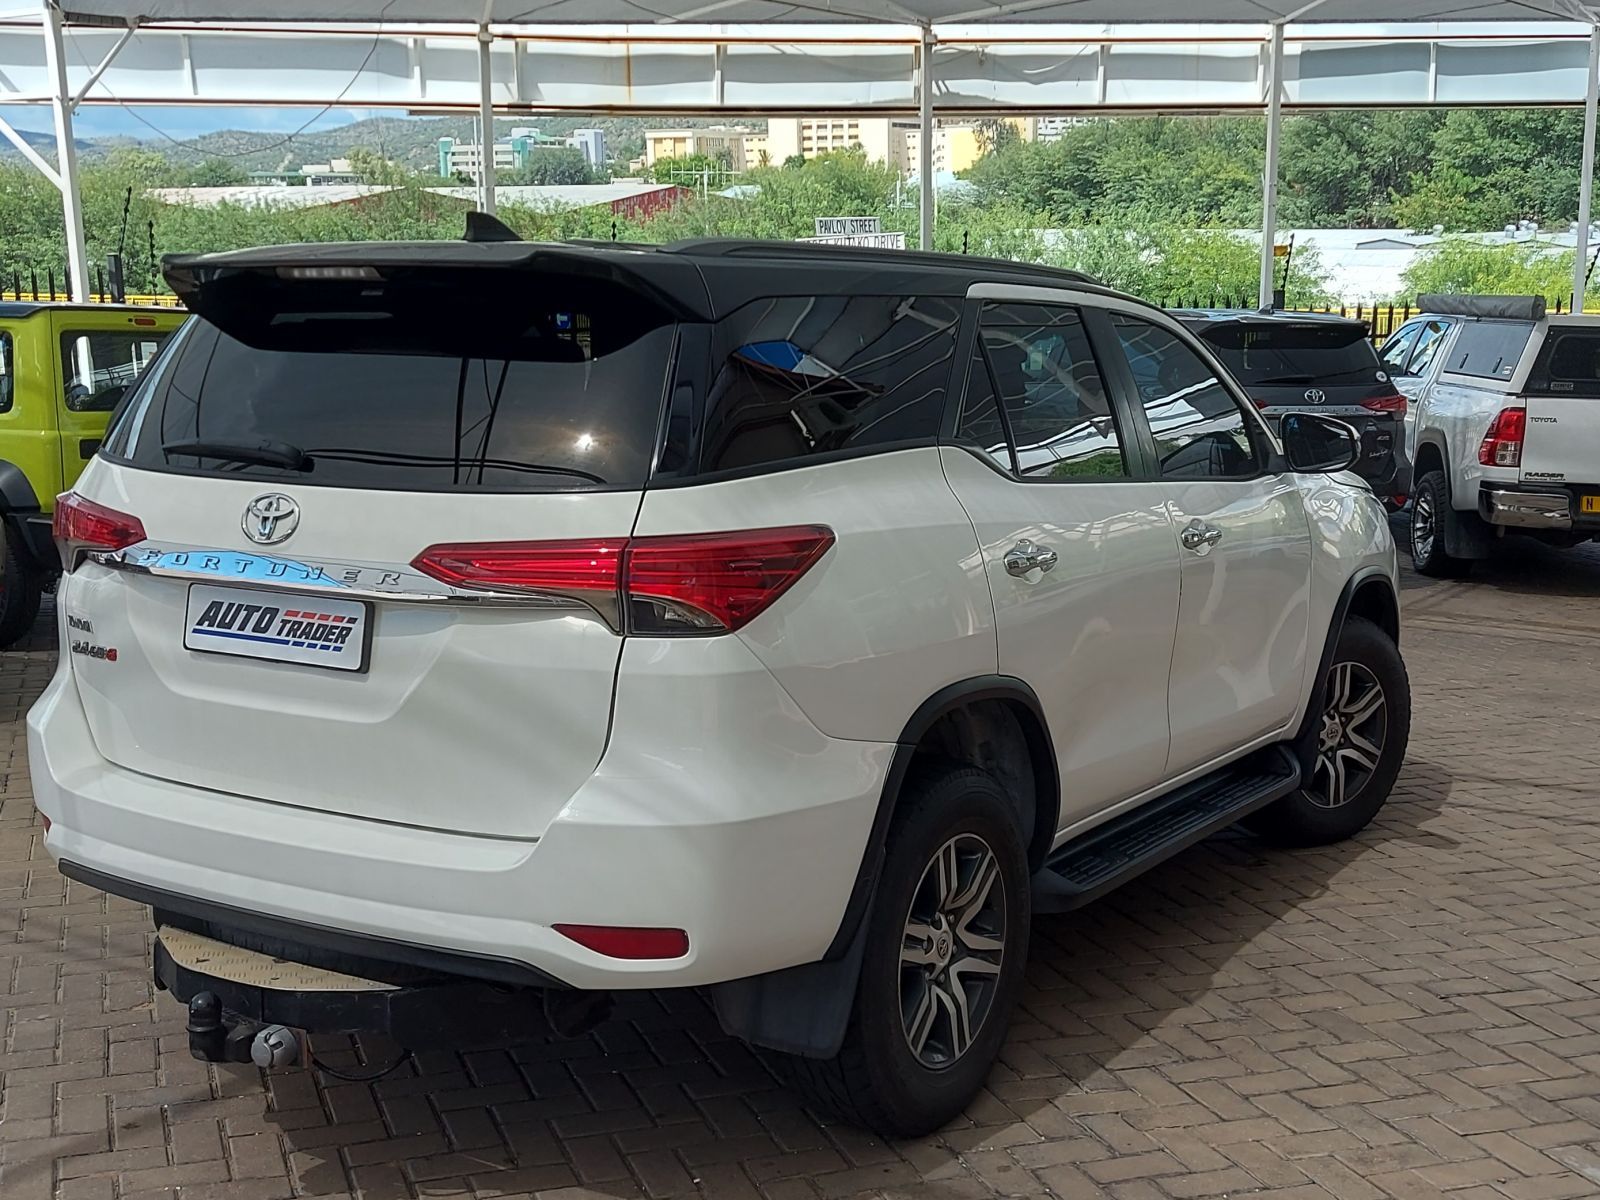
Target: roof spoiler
(482, 227)
(1504, 308)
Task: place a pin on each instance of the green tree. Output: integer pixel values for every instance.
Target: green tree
(374, 168)
(1466, 266)
(216, 172)
(551, 165)
(692, 170)
(1492, 167)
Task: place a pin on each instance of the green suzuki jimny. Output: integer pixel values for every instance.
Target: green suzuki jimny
(63, 367)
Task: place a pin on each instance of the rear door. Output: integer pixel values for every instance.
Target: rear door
(1239, 659)
(280, 633)
(1562, 440)
(98, 355)
(1077, 543)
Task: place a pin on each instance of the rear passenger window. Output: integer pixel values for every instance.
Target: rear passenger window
(1054, 408)
(1488, 349)
(795, 377)
(1200, 431)
(98, 367)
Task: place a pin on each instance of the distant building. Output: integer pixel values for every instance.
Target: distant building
(466, 158)
(741, 146)
(1050, 129)
(334, 171)
(592, 142)
(275, 196)
(893, 140)
(625, 199)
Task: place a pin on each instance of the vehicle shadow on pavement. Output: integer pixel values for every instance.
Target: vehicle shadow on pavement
(1172, 978)
(1519, 565)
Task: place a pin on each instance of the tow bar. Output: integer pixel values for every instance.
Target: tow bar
(222, 1037)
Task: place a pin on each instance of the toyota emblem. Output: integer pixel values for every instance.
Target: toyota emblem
(270, 519)
(1316, 396)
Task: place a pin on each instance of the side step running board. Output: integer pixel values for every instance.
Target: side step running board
(1108, 855)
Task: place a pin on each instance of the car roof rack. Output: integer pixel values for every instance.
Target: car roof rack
(1503, 308)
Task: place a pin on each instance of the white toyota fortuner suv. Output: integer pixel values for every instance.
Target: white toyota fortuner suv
(1503, 426)
(457, 633)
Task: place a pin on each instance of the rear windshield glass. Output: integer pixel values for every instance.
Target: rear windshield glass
(427, 387)
(1569, 364)
(1489, 349)
(1292, 355)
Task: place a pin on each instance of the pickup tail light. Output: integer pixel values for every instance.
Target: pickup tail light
(1502, 444)
(81, 526)
(1387, 402)
(706, 583)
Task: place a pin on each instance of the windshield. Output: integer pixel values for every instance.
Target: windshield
(1261, 355)
(438, 390)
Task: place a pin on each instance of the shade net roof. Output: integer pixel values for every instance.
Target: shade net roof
(897, 12)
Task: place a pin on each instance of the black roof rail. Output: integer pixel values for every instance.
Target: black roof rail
(973, 263)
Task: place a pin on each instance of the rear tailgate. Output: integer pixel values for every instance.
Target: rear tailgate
(273, 638)
(1562, 439)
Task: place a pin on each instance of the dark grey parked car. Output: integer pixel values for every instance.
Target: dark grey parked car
(1311, 362)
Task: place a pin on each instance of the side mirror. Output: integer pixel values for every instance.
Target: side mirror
(1315, 443)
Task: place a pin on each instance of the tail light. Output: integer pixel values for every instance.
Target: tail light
(1389, 402)
(1502, 445)
(80, 526)
(704, 583)
(1260, 403)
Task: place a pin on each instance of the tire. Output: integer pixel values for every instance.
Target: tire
(21, 587)
(1349, 783)
(1430, 513)
(878, 1080)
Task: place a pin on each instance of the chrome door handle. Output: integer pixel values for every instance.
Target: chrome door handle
(1197, 535)
(1028, 556)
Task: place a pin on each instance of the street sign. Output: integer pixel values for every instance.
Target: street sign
(831, 227)
(883, 241)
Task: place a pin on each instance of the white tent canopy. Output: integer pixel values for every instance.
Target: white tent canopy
(1365, 48)
(899, 12)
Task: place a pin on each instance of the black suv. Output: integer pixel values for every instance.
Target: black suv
(1300, 362)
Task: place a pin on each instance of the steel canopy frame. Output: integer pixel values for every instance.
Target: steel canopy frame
(885, 19)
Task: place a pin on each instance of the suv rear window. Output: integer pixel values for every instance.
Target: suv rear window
(1265, 354)
(511, 384)
(1568, 363)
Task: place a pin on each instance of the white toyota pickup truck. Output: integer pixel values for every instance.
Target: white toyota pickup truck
(1503, 425)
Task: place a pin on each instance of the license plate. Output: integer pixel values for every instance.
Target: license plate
(1591, 504)
(313, 631)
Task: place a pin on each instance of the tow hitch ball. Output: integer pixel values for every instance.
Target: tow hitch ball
(218, 1036)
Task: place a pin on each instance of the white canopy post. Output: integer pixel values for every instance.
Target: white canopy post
(925, 137)
(1580, 265)
(61, 105)
(486, 119)
(1269, 190)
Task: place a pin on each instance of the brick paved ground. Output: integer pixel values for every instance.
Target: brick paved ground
(1413, 1015)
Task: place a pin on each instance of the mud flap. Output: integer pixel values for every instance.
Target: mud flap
(803, 1010)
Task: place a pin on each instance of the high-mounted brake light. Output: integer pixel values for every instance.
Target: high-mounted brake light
(703, 583)
(1502, 444)
(80, 526)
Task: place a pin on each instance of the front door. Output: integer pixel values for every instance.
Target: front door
(1077, 545)
(1240, 655)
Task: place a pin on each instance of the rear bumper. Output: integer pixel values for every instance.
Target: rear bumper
(718, 809)
(1526, 510)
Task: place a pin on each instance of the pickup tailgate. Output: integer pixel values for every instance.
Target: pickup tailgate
(1562, 440)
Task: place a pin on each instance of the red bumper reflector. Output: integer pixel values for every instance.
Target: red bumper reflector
(621, 941)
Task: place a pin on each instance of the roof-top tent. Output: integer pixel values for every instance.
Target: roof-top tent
(1264, 19)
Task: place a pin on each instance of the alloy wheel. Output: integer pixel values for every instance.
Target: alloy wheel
(1422, 526)
(1355, 726)
(951, 951)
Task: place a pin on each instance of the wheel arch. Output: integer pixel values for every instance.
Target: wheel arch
(1369, 594)
(1433, 454)
(804, 1010)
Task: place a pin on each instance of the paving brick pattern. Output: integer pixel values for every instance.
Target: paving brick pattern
(1412, 1015)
